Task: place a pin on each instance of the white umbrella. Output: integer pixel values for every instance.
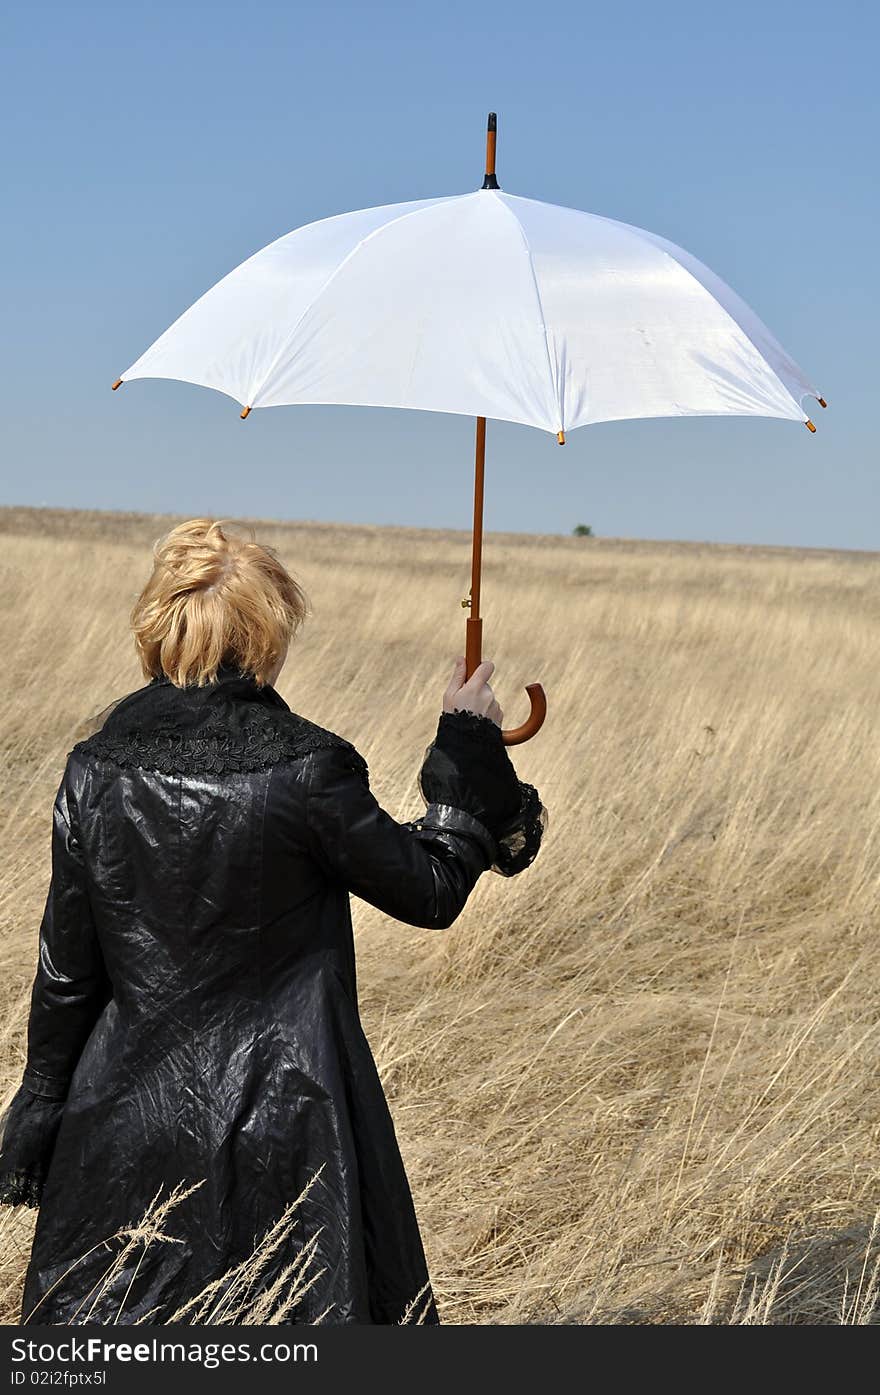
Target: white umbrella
(488, 305)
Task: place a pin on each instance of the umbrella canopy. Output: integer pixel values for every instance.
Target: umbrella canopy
(485, 304)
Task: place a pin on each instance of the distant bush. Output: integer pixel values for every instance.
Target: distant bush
(582, 530)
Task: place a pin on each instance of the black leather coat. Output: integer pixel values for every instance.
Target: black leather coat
(194, 1012)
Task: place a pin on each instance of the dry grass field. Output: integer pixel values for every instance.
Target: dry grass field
(639, 1083)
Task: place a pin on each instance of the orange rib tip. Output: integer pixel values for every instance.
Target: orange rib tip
(821, 401)
(809, 425)
(560, 438)
(245, 413)
(117, 384)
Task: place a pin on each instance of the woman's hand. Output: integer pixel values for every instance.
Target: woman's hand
(475, 695)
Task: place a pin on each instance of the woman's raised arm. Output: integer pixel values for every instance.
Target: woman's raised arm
(420, 872)
(479, 815)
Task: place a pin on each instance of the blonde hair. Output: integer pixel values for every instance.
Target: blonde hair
(214, 598)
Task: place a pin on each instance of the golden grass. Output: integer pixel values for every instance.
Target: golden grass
(638, 1083)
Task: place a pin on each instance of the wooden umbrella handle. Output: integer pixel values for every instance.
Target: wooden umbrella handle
(512, 736)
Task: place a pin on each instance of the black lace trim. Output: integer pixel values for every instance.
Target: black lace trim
(215, 748)
(520, 840)
(472, 724)
(20, 1188)
(231, 725)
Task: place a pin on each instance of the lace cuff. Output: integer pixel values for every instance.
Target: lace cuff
(28, 1129)
(467, 766)
(520, 839)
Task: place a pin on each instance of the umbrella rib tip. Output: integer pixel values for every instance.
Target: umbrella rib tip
(809, 425)
(246, 413)
(117, 384)
(560, 438)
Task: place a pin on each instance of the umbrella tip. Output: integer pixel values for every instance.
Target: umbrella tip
(245, 413)
(490, 180)
(560, 438)
(821, 401)
(117, 384)
(809, 425)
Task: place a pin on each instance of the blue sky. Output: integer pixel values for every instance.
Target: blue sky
(151, 149)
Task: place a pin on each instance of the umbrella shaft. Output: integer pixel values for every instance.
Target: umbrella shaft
(474, 623)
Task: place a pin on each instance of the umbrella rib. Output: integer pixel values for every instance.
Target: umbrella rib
(332, 277)
(525, 241)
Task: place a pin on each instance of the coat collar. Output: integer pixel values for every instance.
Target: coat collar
(225, 673)
(229, 680)
(161, 703)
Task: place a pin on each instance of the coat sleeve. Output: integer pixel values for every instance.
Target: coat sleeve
(420, 872)
(70, 990)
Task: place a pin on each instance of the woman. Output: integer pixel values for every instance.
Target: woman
(194, 1013)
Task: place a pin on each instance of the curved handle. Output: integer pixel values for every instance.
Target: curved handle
(533, 723)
